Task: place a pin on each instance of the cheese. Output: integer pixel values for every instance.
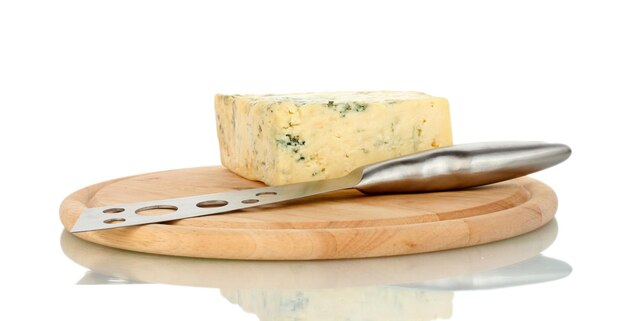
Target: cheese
(362, 303)
(281, 139)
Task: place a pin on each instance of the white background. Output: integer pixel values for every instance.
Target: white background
(94, 90)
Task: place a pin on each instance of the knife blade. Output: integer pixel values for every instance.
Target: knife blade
(439, 169)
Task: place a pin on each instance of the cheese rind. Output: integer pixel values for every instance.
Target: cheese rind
(281, 139)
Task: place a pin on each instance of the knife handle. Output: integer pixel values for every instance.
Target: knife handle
(459, 166)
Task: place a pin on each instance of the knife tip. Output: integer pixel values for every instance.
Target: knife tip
(80, 227)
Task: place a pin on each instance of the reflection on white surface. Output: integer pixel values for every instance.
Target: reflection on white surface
(412, 287)
(92, 278)
(534, 270)
(427, 300)
(379, 303)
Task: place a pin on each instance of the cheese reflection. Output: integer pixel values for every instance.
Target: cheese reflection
(363, 303)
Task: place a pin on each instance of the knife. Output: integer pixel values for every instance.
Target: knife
(439, 169)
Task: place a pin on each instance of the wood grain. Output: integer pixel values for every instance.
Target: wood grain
(343, 224)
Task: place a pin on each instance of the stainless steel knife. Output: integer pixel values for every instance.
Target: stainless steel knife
(439, 169)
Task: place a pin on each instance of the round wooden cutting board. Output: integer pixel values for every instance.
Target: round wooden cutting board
(343, 224)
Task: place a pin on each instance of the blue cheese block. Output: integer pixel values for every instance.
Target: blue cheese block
(281, 139)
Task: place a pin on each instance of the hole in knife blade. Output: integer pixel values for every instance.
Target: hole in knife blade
(266, 194)
(250, 201)
(114, 220)
(155, 210)
(213, 203)
(113, 210)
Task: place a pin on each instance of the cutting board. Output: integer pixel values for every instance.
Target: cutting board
(342, 224)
